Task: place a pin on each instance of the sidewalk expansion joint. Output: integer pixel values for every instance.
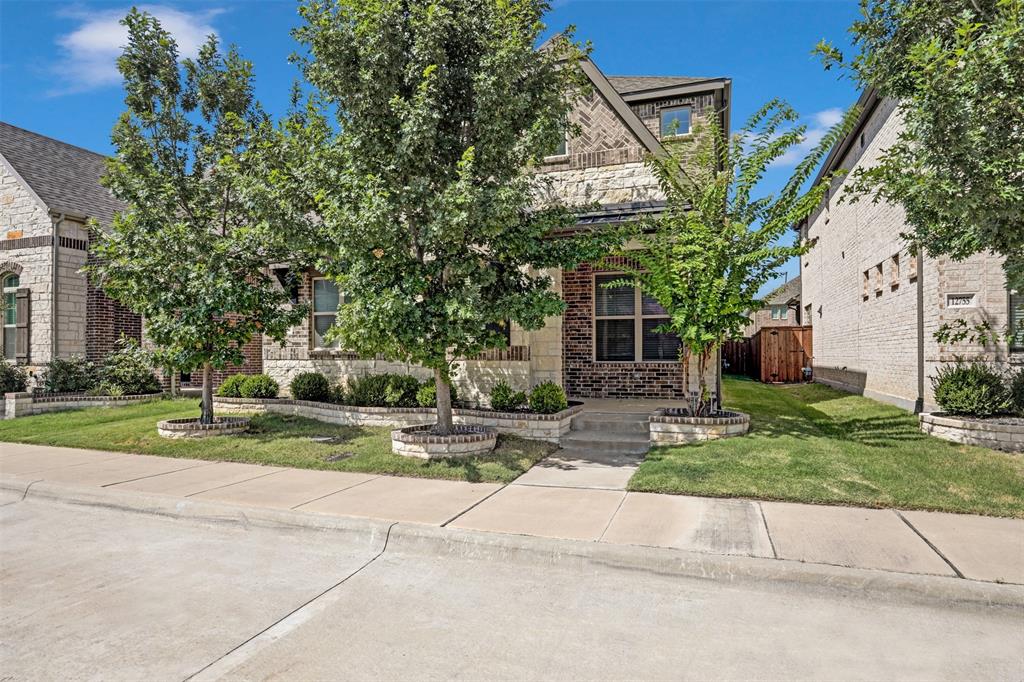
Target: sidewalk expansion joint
(24, 493)
(162, 473)
(245, 480)
(475, 505)
(291, 613)
(767, 531)
(333, 492)
(928, 542)
(614, 514)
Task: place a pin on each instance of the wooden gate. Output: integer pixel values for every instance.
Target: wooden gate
(779, 354)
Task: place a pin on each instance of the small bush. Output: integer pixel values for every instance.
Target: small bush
(13, 379)
(339, 394)
(232, 386)
(71, 375)
(426, 396)
(258, 386)
(504, 399)
(972, 389)
(548, 398)
(1017, 391)
(311, 386)
(383, 390)
(130, 369)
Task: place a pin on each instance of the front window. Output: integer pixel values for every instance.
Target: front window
(1016, 321)
(562, 149)
(675, 122)
(325, 311)
(625, 324)
(780, 312)
(10, 293)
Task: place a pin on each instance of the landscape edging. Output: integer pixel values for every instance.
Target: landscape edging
(968, 431)
(24, 403)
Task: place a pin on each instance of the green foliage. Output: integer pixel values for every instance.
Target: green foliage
(258, 386)
(428, 214)
(426, 395)
(954, 68)
(504, 399)
(973, 389)
(232, 386)
(189, 253)
(312, 386)
(13, 379)
(705, 258)
(68, 375)
(1017, 391)
(383, 390)
(547, 398)
(130, 369)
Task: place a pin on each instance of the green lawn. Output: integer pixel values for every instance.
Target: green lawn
(810, 443)
(273, 439)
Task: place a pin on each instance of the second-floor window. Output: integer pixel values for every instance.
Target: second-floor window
(780, 312)
(325, 311)
(675, 122)
(625, 321)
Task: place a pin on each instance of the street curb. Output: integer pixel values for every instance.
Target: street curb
(423, 540)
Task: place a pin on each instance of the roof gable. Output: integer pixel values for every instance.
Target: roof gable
(66, 178)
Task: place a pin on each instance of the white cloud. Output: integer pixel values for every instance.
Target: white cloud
(89, 53)
(817, 126)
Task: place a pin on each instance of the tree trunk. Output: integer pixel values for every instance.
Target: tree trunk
(174, 381)
(207, 414)
(444, 404)
(718, 379)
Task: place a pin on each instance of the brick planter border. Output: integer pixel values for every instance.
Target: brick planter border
(546, 427)
(25, 403)
(983, 432)
(672, 429)
(466, 441)
(191, 428)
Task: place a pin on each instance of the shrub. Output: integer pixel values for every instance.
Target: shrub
(972, 389)
(232, 386)
(339, 394)
(401, 391)
(383, 390)
(504, 399)
(130, 369)
(13, 379)
(426, 396)
(311, 386)
(548, 398)
(71, 375)
(1017, 391)
(258, 386)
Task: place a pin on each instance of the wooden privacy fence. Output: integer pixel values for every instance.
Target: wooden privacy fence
(772, 355)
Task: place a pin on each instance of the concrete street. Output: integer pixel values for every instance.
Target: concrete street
(100, 593)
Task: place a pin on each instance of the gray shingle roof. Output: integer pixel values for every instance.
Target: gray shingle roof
(627, 84)
(785, 293)
(66, 177)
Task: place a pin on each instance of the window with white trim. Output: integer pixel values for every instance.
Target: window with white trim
(1016, 321)
(325, 311)
(10, 335)
(675, 122)
(780, 312)
(625, 320)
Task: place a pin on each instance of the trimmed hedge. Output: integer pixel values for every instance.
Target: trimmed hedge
(312, 386)
(547, 398)
(232, 386)
(258, 386)
(972, 389)
(504, 399)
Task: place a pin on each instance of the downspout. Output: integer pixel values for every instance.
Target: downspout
(919, 403)
(54, 280)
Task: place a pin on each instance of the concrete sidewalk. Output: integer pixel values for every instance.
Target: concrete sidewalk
(971, 547)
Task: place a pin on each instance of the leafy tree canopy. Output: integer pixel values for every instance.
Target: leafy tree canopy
(189, 254)
(956, 69)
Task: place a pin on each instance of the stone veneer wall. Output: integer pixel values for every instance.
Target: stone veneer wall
(868, 344)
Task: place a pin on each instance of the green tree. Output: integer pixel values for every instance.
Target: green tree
(956, 70)
(706, 256)
(187, 254)
(425, 196)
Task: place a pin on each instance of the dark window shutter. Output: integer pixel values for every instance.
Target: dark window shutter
(21, 323)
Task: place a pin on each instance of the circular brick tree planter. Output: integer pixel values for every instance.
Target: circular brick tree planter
(191, 428)
(672, 426)
(998, 433)
(465, 441)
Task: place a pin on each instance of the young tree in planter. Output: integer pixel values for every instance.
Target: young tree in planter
(187, 254)
(705, 258)
(426, 193)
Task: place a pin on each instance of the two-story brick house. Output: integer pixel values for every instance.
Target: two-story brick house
(874, 305)
(603, 345)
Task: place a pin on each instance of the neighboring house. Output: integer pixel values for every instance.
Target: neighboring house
(781, 309)
(49, 190)
(604, 344)
(873, 304)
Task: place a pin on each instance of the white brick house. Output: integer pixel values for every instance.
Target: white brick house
(873, 305)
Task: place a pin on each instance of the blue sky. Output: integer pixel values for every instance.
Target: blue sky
(58, 78)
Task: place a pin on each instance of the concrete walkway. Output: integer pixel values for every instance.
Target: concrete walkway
(970, 547)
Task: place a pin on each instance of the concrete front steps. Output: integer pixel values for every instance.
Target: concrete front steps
(602, 450)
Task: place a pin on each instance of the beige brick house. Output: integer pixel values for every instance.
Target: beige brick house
(781, 309)
(874, 305)
(603, 345)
